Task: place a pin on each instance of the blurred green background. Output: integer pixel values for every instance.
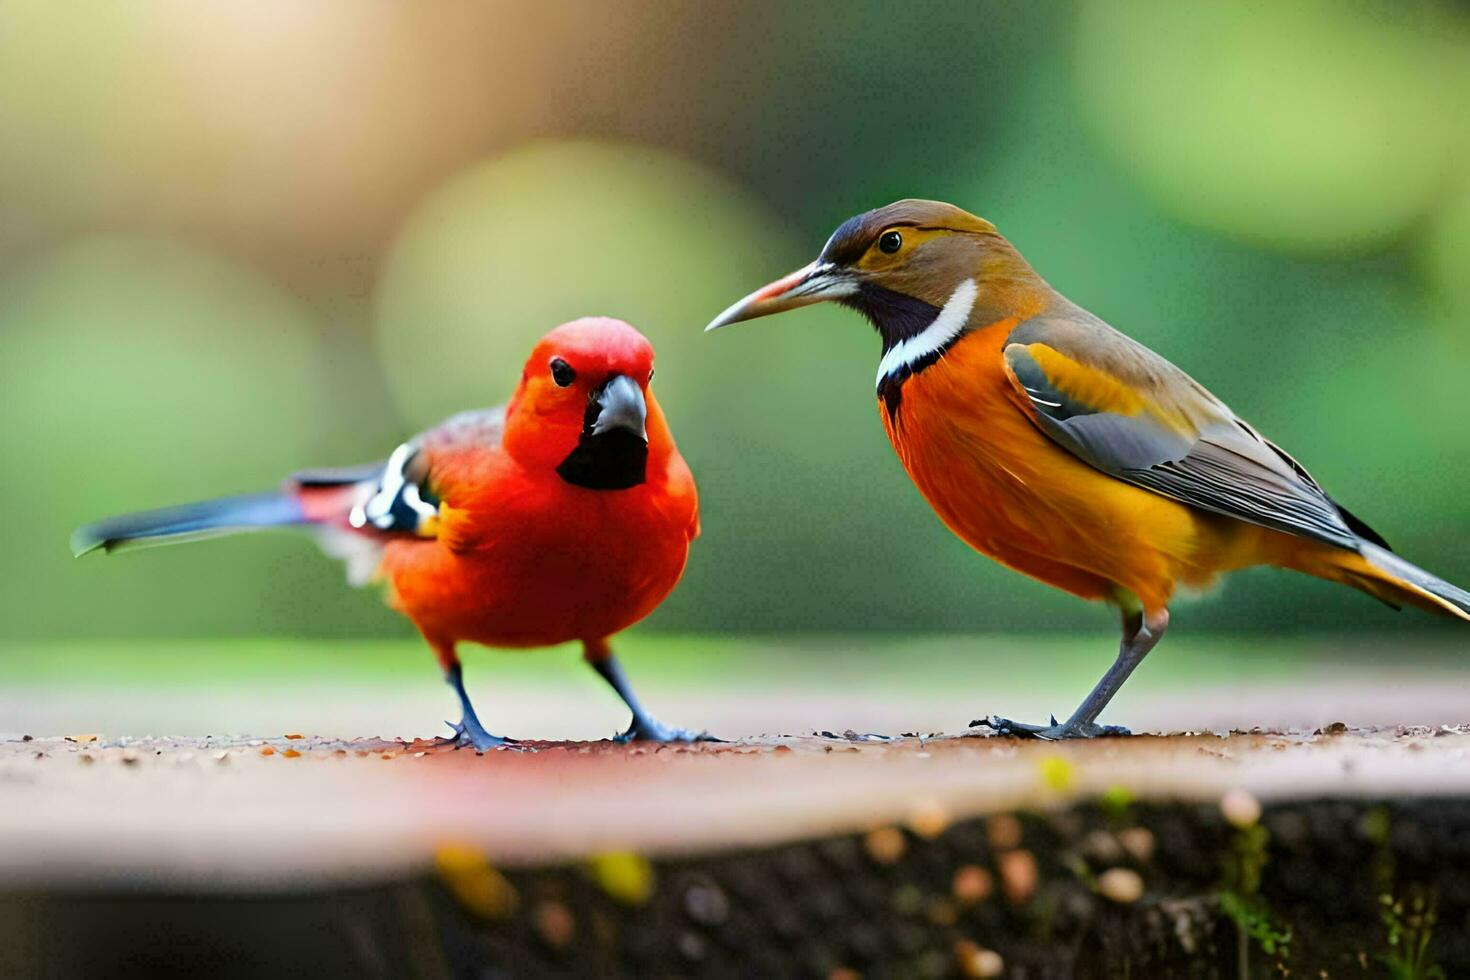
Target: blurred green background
(238, 240)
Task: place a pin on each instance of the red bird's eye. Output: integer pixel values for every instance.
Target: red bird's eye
(562, 372)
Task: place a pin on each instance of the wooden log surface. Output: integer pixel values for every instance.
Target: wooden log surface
(1270, 853)
(230, 814)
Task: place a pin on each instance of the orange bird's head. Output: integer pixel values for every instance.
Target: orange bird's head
(584, 407)
(924, 273)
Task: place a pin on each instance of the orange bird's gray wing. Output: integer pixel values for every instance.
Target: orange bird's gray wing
(1130, 413)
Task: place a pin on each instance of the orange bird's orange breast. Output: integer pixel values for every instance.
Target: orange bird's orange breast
(1008, 491)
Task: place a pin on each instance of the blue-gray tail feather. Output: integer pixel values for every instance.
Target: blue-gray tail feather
(189, 522)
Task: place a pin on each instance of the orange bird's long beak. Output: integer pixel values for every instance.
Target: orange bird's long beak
(810, 284)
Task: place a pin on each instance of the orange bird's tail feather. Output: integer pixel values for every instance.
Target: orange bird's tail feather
(1384, 575)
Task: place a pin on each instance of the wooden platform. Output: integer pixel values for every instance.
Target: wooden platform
(832, 855)
(218, 814)
(1308, 847)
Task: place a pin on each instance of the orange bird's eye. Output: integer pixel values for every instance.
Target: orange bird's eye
(562, 372)
(890, 242)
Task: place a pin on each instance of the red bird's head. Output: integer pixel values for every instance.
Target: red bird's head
(584, 407)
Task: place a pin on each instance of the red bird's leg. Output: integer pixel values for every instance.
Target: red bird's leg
(645, 727)
(469, 733)
(1141, 631)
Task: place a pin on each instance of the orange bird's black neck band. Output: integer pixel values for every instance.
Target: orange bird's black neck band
(896, 317)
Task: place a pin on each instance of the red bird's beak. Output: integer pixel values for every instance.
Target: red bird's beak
(612, 451)
(809, 284)
(619, 406)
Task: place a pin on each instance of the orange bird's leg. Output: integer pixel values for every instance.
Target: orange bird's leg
(469, 733)
(645, 727)
(1141, 631)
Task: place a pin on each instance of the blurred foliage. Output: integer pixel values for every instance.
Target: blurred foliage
(224, 257)
(1313, 126)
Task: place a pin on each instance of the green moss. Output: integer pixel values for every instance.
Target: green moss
(1240, 898)
(1407, 913)
(1410, 923)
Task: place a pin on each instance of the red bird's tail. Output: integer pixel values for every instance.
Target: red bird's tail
(189, 522)
(321, 500)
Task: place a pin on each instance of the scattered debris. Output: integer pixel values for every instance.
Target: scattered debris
(1121, 885)
(928, 817)
(1058, 773)
(1138, 842)
(1240, 808)
(972, 884)
(625, 876)
(977, 961)
(554, 923)
(1003, 831)
(706, 903)
(478, 887)
(1102, 847)
(1018, 875)
(885, 845)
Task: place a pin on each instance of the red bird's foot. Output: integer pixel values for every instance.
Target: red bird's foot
(470, 735)
(1053, 732)
(651, 730)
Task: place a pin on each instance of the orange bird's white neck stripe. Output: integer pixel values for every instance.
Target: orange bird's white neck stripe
(948, 325)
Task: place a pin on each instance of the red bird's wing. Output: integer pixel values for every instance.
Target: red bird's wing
(412, 486)
(1128, 412)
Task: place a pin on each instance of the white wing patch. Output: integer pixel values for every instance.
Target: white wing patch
(398, 504)
(945, 328)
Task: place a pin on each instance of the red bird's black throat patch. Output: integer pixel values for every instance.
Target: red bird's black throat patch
(614, 460)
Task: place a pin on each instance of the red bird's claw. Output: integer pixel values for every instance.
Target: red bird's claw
(473, 738)
(653, 731)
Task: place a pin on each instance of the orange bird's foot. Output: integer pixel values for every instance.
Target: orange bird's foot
(646, 729)
(469, 734)
(1050, 733)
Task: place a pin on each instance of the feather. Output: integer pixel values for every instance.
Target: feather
(188, 522)
(1131, 414)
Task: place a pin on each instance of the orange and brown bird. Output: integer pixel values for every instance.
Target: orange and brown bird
(566, 515)
(1060, 447)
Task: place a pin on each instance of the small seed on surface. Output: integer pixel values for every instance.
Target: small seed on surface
(1018, 876)
(885, 844)
(1121, 885)
(972, 884)
(1240, 808)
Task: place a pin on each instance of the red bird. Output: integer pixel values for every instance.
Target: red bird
(566, 515)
